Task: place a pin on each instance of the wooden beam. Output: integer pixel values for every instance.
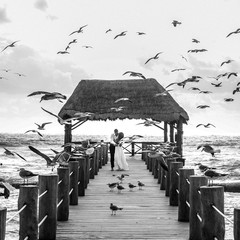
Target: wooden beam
(179, 136)
(68, 136)
(165, 131)
(171, 132)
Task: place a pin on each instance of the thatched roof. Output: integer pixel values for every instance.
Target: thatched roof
(99, 96)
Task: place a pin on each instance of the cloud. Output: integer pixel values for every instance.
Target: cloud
(41, 5)
(3, 16)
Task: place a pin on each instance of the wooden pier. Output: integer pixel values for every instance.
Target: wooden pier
(146, 213)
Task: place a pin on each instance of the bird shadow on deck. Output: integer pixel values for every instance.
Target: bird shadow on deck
(145, 213)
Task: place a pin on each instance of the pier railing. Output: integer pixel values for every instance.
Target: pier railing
(199, 204)
(41, 206)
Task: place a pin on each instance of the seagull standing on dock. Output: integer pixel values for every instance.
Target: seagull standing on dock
(114, 208)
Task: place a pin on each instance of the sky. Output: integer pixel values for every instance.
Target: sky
(42, 28)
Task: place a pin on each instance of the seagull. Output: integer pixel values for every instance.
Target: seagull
(34, 131)
(26, 174)
(209, 149)
(217, 84)
(181, 84)
(140, 185)
(234, 32)
(236, 90)
(202, 167)
(197, 50)
(41, 126)
(213, 174)
(119, 109)
(63, 52)
(232, 73)
(49, 95)
(155, 57)
(80, 30)
(194, 40)
(194, 89)
(178, 69)
(120, 188)
(8, 152)
(141, 33)
(109, 30)
(134, 74)
(203, 106)
(73, 41)
(6, 70)
(62, 157)
(205, 125)
(87, 46)
(10, 45)
(60, 120)
(122, 99)
(228, 99)
(120, 34)
(184, 58)
(163, 93)
(226, 62)
(205, 92)
(112, 185)
(175, 23)
(131, 186)
(115, 208)
(148, 123)
(20, 74)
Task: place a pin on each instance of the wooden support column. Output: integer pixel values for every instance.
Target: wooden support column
(171, 134)
(179, 136)
(68, 136)
(165, 131)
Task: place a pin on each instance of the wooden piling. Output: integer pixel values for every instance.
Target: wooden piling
(105, 153)
(82, 176)
(163, 179)
(100, 156)
(165, 131)
(236, 226)
(63, 193)
(87, 173)
(144, 154)
(183, 197)
(171, 134)
(48, 206)
(92, 165)
(73, 168)
(174, 180)
(195, 224)
(3, 218)
(159, 171)
(167, 185)
(155, 167)
(213, 224)
(96, 161)
(28, 220)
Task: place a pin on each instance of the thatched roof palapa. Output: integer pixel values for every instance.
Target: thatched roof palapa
(99, 96)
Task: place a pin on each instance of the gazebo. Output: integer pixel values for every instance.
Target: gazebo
(142, 99)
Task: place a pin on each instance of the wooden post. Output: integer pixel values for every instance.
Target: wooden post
(195, 232)
(163, 179)
(159, 171)
(105, 153)
(73, 168)
(179, 135)
(100, 156)
(92, 165)
(96, 160)
(28, 220)
(183, 197)
(213, 224)
(236, 227)
(168, 161)
(68, 136)
(155, 168)
(48, 206)
(63, 193)
(165, 131)
(3, 218)
(144, 154)
(82, 176)
(171, 132)
(133, 150)
(87, 173)
(174, 180)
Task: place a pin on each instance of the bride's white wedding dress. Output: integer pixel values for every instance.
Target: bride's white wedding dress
(120, 159)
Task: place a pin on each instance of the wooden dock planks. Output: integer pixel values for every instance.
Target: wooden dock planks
(146, 213)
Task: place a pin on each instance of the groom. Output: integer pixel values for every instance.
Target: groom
(113, 138)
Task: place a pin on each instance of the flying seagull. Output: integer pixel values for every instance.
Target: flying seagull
(228, 99)
(232, 74)
(122, 99)
(162, 93)
(141, 33)
(203, 106)
(49, 95)
(34, 131)
(155, 57)
(197, 50)
(217, 84)
(208, 149)
(236, 90)
(178, 69)
(205, 125)
(226, 62)
(10, 45)
(194, 40)
(63, 52)
(205, 92)
(175, 23)
(41, 126)
(234, 32)
(80, 30)
(109, 30)
(120, 34)
(134, 74)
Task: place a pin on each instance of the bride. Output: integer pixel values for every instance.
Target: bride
(119, 155)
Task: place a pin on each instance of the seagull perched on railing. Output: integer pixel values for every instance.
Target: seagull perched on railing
(26, 174)
(213, 174)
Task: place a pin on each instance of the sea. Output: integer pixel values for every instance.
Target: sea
(227, 161)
